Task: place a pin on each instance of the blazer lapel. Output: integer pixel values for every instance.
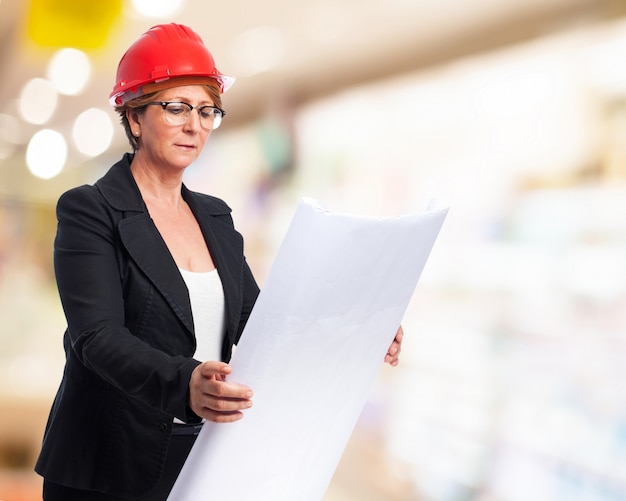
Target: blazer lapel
(147, 248)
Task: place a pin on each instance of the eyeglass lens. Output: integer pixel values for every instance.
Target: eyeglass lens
(178, 114)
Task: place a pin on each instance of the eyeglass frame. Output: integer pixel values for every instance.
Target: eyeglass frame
(164, 104)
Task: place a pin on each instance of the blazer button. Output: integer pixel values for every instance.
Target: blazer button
(164, 427)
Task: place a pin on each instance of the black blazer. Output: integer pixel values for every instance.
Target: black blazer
(130, 336)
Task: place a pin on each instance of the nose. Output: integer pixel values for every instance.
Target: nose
(193, 122)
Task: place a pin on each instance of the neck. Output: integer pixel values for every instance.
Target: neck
(156, 185)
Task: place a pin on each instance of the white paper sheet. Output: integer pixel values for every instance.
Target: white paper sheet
(313, 345)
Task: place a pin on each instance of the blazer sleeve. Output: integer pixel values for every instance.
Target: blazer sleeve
(91, 291)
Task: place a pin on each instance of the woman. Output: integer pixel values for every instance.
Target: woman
(155, 289)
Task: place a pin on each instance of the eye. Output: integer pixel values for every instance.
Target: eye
(208, 112)
(176, 108)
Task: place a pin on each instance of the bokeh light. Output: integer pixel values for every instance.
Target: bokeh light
(46, 154)
(69, 70)
(38, 101)
(93, 132)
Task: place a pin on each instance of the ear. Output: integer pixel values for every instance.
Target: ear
(133, 119)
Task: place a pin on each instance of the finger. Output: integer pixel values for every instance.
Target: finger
(223, 389)
(396, 345)
(391, 356)
(394, 348)
(399, 334)
(392, 361)
(393, 353)
(219, 409)
(221, 417)
(213, 369)
(225, 405)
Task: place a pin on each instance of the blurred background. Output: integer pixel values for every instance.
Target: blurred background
(511, 384)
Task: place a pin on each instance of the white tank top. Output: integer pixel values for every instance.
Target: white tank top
(207, 306)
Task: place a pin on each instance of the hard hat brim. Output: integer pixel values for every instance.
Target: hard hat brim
(225, 82)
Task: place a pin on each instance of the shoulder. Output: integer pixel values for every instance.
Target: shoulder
(83, 208)
(115, 190)
(79, 197)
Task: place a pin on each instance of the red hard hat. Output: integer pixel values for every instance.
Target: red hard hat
(164, 52)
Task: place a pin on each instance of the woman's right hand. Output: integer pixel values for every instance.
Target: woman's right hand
(214, 399)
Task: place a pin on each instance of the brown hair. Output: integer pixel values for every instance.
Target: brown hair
(139, 105)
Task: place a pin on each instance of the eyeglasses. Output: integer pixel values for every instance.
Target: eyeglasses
(178, 113)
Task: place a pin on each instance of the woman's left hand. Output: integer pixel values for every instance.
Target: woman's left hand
(393, 353)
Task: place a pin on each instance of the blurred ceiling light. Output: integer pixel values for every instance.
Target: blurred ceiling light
(69, 71)
(262, 49)
(93, 132)
(38, 101)
(157, 8)
(46, 154)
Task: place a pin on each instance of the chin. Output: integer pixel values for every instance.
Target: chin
(183, 161)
